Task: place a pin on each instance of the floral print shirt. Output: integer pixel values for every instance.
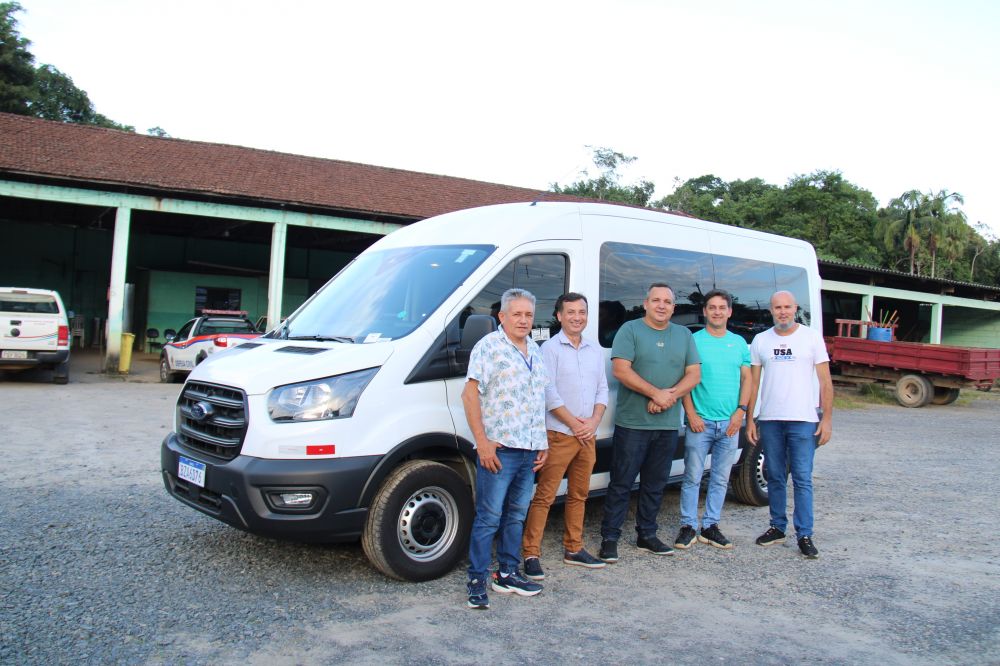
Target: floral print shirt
(511, 391)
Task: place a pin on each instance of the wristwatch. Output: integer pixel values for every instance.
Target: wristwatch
(743, 407)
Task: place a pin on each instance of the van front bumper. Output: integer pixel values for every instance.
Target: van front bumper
(241, 492)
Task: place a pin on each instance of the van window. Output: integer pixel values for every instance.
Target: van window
(385, 295)
(628, 269)
(544, 275)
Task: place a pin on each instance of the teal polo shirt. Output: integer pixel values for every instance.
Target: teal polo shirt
(718, 394)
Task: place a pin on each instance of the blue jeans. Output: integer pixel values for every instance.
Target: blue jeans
(789, 445)
(647, 454)
(697, 445)
(502, 500)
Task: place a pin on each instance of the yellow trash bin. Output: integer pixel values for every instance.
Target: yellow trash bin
(125, 358)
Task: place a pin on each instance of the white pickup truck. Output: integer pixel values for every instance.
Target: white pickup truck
(34, 332)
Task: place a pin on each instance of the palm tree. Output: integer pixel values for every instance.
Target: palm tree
(941, 217)
(907, 218)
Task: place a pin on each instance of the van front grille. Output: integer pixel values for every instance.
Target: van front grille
(212, 419)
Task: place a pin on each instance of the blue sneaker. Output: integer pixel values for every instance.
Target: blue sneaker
(515, 583)
(478, 598)
(533, 569)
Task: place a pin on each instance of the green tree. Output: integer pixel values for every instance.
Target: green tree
(57, 98)
(608, 186)
(943, 224)
(902, 225)
(42, 92)
(17, 65)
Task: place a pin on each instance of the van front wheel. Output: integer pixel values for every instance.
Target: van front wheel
(749, 481)
(419, 522)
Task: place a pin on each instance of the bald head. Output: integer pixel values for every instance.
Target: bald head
(783, 309)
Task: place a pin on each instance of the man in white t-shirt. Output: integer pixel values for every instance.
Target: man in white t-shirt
(786, 359)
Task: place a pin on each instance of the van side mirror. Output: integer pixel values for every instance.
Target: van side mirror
(476, 328)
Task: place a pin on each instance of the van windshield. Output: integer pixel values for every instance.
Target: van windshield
(384, 295)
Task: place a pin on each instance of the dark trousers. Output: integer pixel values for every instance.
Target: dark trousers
(647, 454)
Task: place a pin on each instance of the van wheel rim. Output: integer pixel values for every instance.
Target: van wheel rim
(428, 523)
(760, 472)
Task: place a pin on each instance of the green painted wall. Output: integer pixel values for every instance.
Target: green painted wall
(172, 296)
(965, 327)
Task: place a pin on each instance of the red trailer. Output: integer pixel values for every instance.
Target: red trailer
(922, 373)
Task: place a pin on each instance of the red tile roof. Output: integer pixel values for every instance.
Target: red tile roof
(33, 147)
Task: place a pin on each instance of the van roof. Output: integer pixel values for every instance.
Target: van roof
(514, 224)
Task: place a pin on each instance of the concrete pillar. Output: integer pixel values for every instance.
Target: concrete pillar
(276, 278)
(867, 306)
(937, 313)
(116, 289)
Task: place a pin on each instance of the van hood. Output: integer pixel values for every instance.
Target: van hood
(261, 364)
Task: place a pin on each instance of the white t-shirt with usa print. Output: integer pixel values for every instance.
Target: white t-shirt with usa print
(789, 388)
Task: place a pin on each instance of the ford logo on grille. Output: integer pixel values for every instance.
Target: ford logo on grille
(201, 411)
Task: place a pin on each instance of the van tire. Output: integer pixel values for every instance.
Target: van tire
(914, 391)
(749, 484)
(419, 495)
(944, 395)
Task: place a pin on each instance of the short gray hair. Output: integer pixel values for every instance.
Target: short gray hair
(513, 295)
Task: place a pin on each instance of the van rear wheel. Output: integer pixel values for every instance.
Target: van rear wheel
(749, 484)
(419, 522)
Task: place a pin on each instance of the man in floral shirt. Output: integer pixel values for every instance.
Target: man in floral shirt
(504, 400)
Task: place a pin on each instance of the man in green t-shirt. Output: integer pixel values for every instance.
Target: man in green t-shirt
(656, 363)
(715, 412)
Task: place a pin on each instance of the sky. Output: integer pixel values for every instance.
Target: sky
(896, 95)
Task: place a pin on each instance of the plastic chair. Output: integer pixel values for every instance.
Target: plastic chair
(151, 339)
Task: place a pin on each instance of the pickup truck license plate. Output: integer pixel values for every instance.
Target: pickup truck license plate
(14, 353)
(191, 470)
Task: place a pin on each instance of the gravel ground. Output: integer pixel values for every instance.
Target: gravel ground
(99, 565)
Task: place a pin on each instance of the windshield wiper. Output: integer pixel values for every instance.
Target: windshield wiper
(322, 338)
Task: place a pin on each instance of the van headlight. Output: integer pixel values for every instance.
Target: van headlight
(319, 399)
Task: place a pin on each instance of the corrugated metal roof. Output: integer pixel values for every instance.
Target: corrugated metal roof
(900, 274)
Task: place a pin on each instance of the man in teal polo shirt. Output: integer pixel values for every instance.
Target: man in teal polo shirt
(657, 364)
(715, 411)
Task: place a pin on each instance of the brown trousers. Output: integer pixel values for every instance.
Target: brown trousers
(567, 456)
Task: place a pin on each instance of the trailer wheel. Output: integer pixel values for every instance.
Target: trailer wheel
(914, 391)
(944, 395)
(419, 523)
(749, 484)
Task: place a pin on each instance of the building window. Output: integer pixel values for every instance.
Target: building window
(216, 298)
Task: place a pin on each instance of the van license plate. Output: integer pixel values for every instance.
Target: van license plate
(191, 470)
(14, 354)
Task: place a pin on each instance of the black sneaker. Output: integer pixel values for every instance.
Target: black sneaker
(807, 548)
(582, 558)
(515, 583)
(685, 538)
(713, 537)
(609, 551)
(478, 598)
(772, 536)
(653, 545)
(533, 569)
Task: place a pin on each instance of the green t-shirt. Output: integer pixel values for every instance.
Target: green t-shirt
(659, 357)
(718, 394)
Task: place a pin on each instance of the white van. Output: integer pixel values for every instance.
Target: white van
(346, 421)
(34, 332)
